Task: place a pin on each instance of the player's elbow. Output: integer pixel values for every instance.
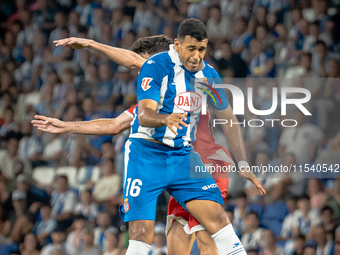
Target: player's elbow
(115, 129)
(135, 65)
(142, 119)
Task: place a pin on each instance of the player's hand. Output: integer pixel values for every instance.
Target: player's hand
(176, 120)
(50, 125)
(73, 42)
(250, 176)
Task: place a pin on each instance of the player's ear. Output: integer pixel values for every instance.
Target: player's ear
(177, 43)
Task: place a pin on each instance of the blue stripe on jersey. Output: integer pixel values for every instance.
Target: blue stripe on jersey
(168, 79)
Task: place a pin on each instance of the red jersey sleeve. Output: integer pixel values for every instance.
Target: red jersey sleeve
(130, 111)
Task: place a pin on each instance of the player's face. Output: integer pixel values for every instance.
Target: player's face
(191, 52)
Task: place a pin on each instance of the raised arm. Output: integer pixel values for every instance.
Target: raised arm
(94, 127)
(123, 57)
(234, 137)
(148, 116)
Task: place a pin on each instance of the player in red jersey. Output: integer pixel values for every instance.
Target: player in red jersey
(179, 220)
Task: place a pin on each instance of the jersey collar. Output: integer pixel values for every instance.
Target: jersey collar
(174, 55)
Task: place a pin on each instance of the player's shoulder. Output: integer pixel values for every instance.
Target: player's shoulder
(159, 62)
(209, 70)
(160, 59)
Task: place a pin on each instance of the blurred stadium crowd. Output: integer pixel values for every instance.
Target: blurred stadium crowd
(59, 193)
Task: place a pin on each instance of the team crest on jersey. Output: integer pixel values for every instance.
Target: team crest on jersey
(204, 86)
(204, 82)
(126, 205)
(188, 101)
(146, 83)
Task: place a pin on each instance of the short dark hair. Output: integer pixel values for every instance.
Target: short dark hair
(301, 237)
(226, 41)
(46, 205)
(304, 197)
(265, 27)
(87, 190)
(253, 213)
(62, 177)
(306, 54)
(9, 108)
(79, 217)
(216, 6)
(193, 28)
(327, 208)
(18, 23)
(82, 29)
(152, 44)
(316, 23)
(320, 42)
(59, 229)
(292, 197)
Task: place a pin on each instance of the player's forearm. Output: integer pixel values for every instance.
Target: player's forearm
(122, 57)
(233, 134)
(235, 141)
(150, 118)
(94, 127)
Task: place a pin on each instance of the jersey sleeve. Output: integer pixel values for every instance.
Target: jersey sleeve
(149, 81)
(219, 99)
(129, 111)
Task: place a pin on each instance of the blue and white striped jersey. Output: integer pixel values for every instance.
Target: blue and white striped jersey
(162, 78)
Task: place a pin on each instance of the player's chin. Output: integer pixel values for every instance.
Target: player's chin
(193, 66)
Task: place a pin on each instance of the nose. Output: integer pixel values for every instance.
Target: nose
(196, 55)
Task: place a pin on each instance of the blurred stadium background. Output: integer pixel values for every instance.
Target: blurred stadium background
(284, 40)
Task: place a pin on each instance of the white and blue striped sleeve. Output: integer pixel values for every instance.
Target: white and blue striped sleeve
(149, 82)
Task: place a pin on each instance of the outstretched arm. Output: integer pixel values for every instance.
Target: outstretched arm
(123, 57)
(94, 127)
(234, 137)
